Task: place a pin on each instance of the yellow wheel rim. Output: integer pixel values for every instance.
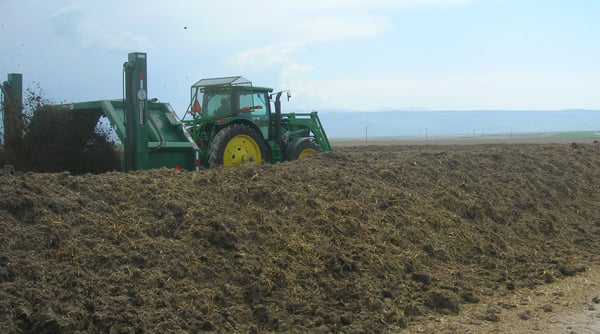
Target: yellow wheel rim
(306, 152)
(241, 149)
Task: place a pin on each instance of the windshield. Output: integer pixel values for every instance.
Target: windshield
(254, 103)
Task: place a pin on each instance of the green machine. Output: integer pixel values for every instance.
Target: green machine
(233, 122)
(152, 134)
(228, 122)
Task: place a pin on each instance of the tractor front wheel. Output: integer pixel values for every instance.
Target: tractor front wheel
(301, 148)
(237, 144)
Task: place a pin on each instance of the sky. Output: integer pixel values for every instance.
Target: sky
(349, 55)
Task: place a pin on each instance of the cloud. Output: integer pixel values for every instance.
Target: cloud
(267, 55)
(66, 21)
(302, 24)
(124, 41)
(293, 69)
(305, 34)
(332, 29)
(71, 23)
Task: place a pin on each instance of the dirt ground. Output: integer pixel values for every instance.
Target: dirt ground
(365, 239)
(570, 305)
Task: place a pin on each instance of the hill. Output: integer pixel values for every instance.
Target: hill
(361, 239)
(449, 123)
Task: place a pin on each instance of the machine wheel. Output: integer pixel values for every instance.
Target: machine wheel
(237, 144)
(300, 148)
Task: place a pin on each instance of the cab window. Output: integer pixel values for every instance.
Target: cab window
(253, 104)
(217, 105)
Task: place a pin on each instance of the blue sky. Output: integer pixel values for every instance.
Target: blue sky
(333, 55)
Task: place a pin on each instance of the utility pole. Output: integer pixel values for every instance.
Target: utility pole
(366, 136)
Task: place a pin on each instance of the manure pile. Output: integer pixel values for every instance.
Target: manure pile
(362, 239)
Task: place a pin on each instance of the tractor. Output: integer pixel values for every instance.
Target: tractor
(233, 122)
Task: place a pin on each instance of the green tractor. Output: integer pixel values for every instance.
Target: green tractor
(233, 122)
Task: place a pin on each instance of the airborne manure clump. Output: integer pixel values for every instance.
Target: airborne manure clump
(59, 140)
(362, 239)
(53, 138)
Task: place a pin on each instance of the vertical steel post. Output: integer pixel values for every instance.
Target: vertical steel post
(136, 112)
(13, 111)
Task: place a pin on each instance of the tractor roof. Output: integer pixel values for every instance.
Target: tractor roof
(224, 81)
(237, 81)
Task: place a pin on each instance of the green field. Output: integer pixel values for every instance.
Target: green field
(562, 134)
(575, 134)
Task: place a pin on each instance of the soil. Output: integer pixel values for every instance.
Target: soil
(391, 238)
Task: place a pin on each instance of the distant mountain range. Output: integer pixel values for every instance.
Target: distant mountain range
(422, 123)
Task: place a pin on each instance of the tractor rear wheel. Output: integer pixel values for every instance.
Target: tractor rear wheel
(301, 148)
(237, 144)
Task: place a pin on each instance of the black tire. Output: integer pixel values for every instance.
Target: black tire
(300, 148)
(237, 144)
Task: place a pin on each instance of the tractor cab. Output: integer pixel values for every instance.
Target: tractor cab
(221, 101)
(218, 98)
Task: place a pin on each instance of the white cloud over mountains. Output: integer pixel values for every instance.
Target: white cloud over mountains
(73, 24)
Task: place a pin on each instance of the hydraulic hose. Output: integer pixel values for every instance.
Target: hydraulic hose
(160, 136)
